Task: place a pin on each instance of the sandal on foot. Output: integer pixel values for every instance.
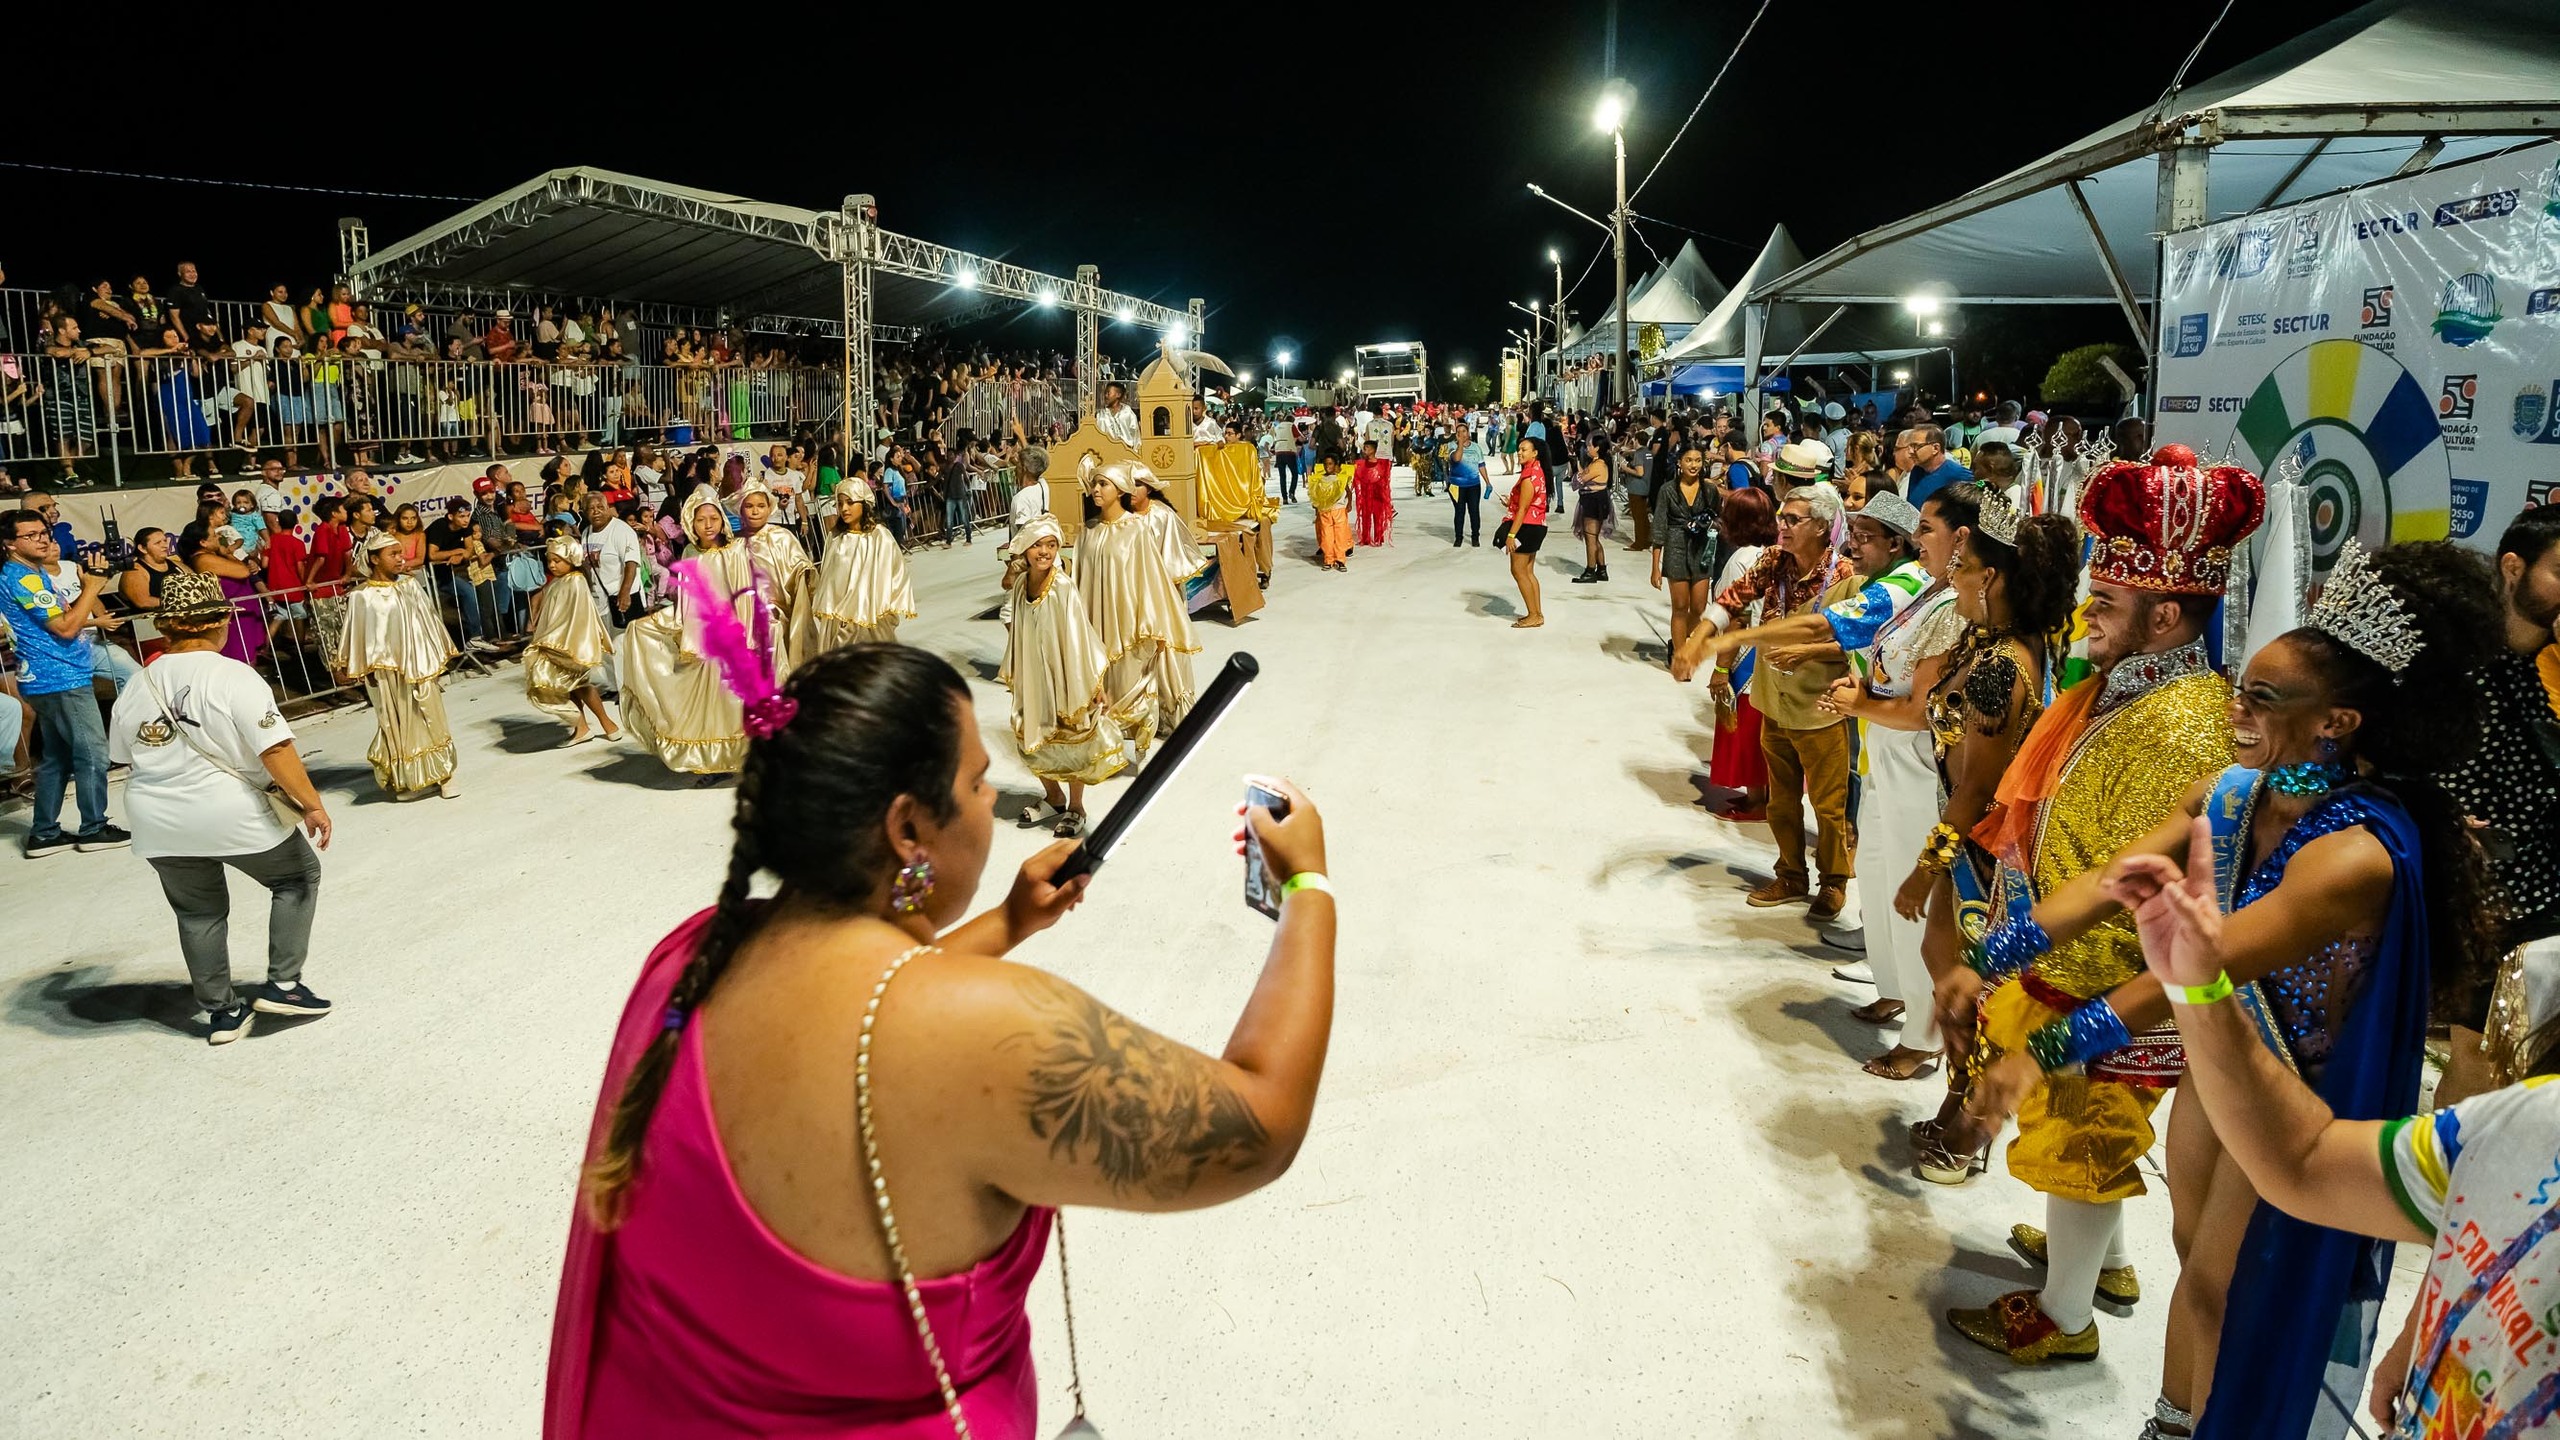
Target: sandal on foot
(1901, 1064)
(1877, 1012)
(1070, 824)
(1938, 1165)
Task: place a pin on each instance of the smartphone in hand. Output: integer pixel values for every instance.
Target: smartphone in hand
(1261, 892)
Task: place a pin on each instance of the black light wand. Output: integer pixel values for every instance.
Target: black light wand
(1240, 670)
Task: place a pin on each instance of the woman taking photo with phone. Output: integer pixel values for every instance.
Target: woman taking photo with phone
(747, 1256)
(1524, 529)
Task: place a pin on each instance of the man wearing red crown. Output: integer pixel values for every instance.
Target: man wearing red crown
(2103, 766)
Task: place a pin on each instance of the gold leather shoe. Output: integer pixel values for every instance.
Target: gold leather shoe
(2116, 1285)
(2017, 1327)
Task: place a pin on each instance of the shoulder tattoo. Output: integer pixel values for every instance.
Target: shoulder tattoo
(1147, 1113)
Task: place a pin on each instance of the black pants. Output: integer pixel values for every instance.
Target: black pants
(1286, 462)
(1466, 520)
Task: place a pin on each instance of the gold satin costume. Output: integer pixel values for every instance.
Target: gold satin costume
(395, 642)
(569, 641)
(1182, 554)
(1062, 721)
(673, 699)
(788, 571)
(861, 591)
(2081, 1138)
(1137, 611)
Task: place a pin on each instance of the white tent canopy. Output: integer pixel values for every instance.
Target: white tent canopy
(2395, 85)
(1722, 327)
(1669, 297)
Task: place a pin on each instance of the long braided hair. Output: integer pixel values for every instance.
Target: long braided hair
(875, 722)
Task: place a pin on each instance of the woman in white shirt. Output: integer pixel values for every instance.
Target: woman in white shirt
(204, 737)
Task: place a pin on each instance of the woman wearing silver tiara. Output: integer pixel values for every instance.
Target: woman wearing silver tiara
(1053, 664)
(861, 589)
(2350, 888)
(569, 645)
(787, 571)
(672, 699)
(1136, 609)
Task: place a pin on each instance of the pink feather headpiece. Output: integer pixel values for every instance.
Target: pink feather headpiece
(745, 658)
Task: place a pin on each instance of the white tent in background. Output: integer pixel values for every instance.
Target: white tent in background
(1669, 297)
(2453, 78)
(1721, 331)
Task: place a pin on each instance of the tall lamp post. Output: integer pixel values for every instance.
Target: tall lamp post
(1611, 116)
(1556, 258)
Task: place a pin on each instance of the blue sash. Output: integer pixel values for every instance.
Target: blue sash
(2297, 1332)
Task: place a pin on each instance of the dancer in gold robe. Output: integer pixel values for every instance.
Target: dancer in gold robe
(1136, 609)
(672, 698)
(568, 645)
(1053, 664)
(1183, 558)
(861, 589)
(395, 642)
(787, 572)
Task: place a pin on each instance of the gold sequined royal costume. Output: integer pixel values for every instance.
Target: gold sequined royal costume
(2130, 744)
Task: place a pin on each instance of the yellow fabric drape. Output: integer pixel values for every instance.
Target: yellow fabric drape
(1231, 485)
(1137, 612)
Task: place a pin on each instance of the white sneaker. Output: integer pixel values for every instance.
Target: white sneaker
(411, 457)
(1856, 972)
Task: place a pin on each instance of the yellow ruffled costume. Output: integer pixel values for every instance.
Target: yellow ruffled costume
(1138, 615)
(862, 589)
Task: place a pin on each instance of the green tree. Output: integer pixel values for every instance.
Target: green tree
(2078, 379)
(1473, 388)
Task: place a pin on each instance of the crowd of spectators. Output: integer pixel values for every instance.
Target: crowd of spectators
(105, 375)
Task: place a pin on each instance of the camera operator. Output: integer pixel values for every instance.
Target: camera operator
(726, 1212)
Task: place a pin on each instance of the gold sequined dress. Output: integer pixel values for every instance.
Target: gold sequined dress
(2160, 727)
(1062, 721)
(860, 592)
(569, 641)
(673, 698)
(395, 642)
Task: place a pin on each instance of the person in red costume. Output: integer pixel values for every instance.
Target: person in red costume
(1373, 505)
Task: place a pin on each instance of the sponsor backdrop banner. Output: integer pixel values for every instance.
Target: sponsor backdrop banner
(2401, 342)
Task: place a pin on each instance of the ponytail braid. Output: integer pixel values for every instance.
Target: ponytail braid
(617, 1164)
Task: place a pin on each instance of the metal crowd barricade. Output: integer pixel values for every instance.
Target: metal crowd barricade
(339, 408)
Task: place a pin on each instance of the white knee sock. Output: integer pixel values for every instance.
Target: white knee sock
(2117, 1259)
(2077, 1237)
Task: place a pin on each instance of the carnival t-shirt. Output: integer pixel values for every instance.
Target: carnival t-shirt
(2483, 1178)
(53, 665)
(1855, 621)
(178, 802)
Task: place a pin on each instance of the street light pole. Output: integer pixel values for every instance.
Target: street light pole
(1556, 258)
(1618, 240)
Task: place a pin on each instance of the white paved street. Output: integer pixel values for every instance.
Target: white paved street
(1593, 1156)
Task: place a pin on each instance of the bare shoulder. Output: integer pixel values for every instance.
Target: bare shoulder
(1079, 1086)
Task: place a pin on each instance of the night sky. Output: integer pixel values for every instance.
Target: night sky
(1326, 186)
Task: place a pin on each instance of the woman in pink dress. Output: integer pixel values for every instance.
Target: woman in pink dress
(746, 1258)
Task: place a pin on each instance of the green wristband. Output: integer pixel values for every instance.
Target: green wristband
(1305, 880)
(2220, 989)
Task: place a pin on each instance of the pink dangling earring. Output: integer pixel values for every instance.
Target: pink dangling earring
(914, 882)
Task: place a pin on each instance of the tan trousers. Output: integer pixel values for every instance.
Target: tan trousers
(1640, 518)
(1814, 762)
